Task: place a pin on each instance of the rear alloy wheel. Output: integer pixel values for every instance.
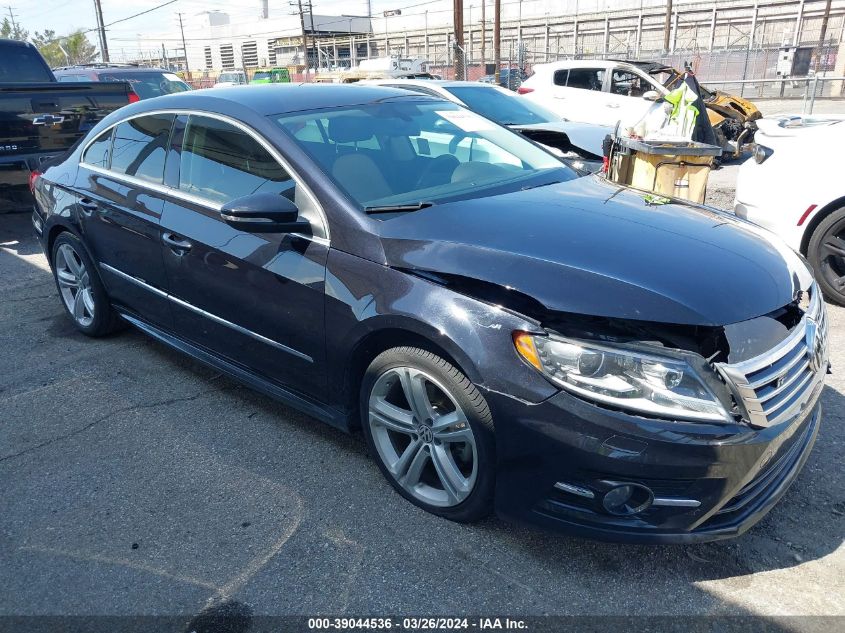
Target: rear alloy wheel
(80, 287)
(431, 432)
(826, 253)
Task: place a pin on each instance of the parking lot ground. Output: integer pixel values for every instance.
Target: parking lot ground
(136, 481)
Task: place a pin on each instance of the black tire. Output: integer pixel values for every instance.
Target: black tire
(104, 320)
(479, 502)
(829, 267)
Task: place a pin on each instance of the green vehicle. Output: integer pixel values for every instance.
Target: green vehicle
(271, 76)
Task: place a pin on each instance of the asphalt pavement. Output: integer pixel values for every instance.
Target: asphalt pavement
(137, 481)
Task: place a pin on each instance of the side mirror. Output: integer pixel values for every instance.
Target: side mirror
(651, 95)
(264, 213)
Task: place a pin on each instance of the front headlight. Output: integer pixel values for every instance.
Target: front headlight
(658, 386)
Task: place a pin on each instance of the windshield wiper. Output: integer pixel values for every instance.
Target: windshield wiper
(398, 208)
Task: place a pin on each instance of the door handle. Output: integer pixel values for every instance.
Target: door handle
(611, 105)
(177, 245)
(88, 206)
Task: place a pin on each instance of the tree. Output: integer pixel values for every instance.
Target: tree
(9, 31)
(65, 50)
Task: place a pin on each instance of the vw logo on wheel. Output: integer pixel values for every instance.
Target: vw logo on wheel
(425, 433)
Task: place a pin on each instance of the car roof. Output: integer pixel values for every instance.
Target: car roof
(272, 99)
(576, 63)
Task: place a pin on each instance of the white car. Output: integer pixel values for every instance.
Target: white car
(579, 144)
(794, 187)
(231, 78)
(592, 91)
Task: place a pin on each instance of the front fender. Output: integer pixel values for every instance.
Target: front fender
(364, 298)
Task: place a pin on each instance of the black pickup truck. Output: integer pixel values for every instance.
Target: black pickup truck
(41, 118)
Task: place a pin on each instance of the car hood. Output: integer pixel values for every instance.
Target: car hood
(588, 247)
(585, 136)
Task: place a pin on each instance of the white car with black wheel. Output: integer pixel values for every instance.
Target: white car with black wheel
(793, 186)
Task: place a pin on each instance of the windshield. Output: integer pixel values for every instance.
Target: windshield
(501, 106)
(406, 153)
(149, 84)
(261, 75)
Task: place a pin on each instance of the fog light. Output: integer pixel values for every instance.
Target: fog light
(626, 499)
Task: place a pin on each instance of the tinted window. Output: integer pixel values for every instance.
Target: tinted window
(148, 84)
(502, 107)
(22, 64)
(586, 78)
(97, 153)
(140, 146)
(561, 77)
(627, 84)
(220, 162)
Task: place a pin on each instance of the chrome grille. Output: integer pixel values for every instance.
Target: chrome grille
(775, 386)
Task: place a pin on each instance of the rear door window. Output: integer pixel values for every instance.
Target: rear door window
(586, 78)
(140, 146)
(220, 162)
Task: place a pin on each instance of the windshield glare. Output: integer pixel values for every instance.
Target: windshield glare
(501, 106)
(404, 152)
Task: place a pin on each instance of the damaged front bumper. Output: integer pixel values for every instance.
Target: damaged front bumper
(560, 459)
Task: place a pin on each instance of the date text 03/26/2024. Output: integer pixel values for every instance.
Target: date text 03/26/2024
(416, 624)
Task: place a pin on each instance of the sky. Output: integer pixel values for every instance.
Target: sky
(65, 16)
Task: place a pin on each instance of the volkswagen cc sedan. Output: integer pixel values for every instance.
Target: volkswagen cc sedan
(506, 336)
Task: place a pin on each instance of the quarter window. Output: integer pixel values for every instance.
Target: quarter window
(220, 162)
(98, 151)
(585, 78)
(140, 146)
(561, 76)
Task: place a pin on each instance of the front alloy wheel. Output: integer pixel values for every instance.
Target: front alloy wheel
(431, 432)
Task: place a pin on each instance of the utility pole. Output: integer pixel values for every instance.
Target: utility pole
(667, 26)
(101, 26)
(313, 37)
(497, 38)
(184, 46)
(483, 30)
(825, 19)
(12, 18)
(304, 41)
(460, 58)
